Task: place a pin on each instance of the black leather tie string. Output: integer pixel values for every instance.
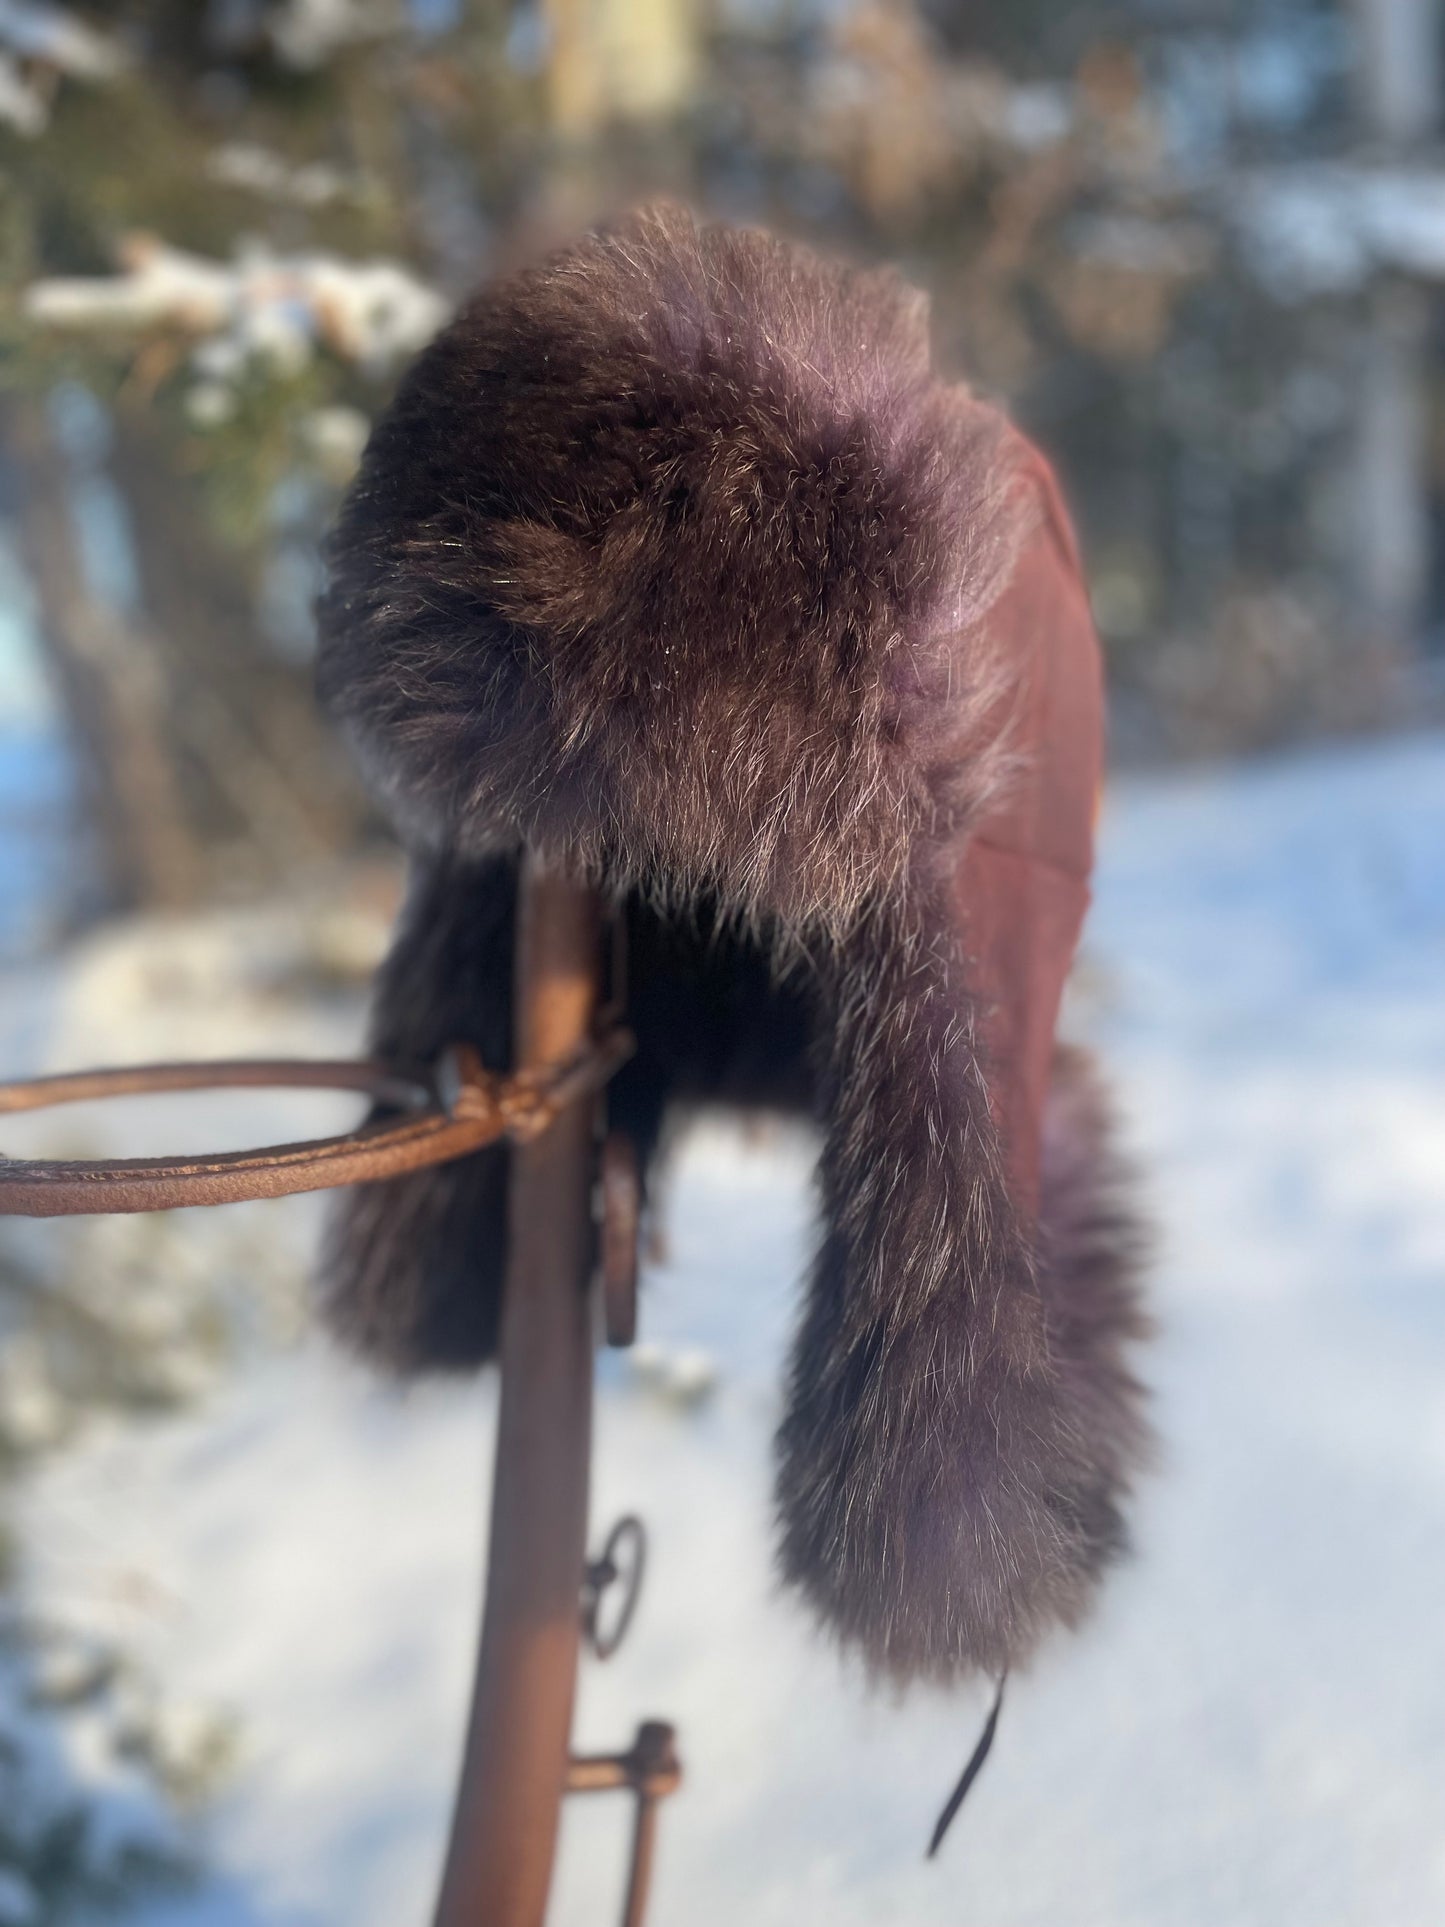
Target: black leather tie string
(971, 1772)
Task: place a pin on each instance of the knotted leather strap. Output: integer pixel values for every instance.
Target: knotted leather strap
(441, 1115)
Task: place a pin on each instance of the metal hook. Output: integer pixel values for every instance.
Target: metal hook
(623, 1558)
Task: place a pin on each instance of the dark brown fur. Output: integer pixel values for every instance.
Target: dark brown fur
(674, 559)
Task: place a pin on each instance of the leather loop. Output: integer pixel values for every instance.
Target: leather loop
(448, 1113)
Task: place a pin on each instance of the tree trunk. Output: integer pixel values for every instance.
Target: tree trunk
(109, 683)
(1398, 75)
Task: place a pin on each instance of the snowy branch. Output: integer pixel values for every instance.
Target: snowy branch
(50, 41)
(261, 307)
(21, 105)
(57, 39)
(305, 34)
(1328, 228)
(256, 170)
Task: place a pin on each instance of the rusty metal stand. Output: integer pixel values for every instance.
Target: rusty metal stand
(517, 1764)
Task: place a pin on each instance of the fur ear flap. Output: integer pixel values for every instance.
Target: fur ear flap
(960, 1425)
(412, 1267)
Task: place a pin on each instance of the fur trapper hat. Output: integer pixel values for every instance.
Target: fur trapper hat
(674, 561)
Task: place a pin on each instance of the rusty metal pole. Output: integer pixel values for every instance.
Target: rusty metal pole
(514, 1773)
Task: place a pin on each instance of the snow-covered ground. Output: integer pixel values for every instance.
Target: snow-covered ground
(1251, 1733)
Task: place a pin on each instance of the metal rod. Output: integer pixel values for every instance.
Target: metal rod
(514, 1772)
(658, 1775)
(649, 1770)
(639, 1876)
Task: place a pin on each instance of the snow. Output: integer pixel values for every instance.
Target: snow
(1322, 228)
(1250, 1731)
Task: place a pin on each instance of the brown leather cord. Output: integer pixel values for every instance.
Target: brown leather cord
(971, 1771)
(458, 1108)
